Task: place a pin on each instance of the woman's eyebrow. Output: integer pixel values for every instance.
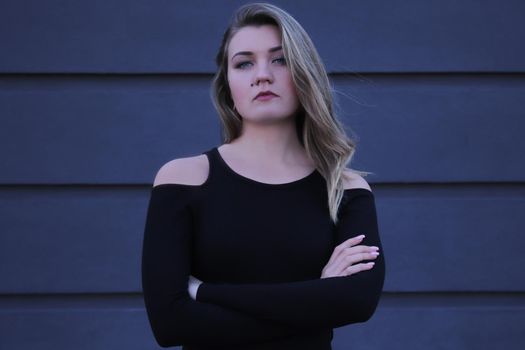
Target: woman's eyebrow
(249, 53)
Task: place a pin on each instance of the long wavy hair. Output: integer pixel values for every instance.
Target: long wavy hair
(318, 129)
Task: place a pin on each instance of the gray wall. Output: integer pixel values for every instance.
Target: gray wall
(96, 95)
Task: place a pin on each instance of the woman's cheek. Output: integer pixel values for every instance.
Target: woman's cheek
(238, 96)
(236, 89)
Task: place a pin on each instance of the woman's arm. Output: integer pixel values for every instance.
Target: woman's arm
(175, 318)
(329, 302)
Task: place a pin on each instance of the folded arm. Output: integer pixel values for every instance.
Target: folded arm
(175, 318)
(329, 302)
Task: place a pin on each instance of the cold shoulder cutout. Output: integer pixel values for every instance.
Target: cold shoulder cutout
(355, 181)
(191, 171)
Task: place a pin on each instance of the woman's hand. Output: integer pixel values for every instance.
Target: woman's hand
(347, 258)
(193, 285)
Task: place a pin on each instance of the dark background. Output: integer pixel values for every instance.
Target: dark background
(96, 95)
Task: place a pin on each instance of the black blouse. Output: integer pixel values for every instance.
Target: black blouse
(259, 249)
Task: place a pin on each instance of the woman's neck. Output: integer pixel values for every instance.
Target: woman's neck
(275, 143)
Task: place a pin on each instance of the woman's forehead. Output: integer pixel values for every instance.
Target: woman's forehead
(254, 39)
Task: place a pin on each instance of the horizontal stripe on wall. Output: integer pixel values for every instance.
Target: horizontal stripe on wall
(173, 36)
(453, 238)
(76, 329)
(410, 128)
(457, 328)
(89, 240)
(454, 322)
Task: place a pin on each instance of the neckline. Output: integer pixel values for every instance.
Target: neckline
(260, 183)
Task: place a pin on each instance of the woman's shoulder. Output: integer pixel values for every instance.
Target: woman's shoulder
(185, 171)
(352, 180)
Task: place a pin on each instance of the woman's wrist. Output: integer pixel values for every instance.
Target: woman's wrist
(193, 287)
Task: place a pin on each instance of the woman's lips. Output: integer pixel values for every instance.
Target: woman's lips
(265, 96)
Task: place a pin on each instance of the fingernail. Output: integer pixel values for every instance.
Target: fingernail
(375, 253)
(374, 248)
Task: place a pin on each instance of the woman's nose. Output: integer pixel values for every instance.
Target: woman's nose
(263, 73)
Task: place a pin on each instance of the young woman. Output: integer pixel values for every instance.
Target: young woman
(267, 241)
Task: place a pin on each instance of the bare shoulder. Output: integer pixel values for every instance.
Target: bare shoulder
(353, 180)
(186, 171)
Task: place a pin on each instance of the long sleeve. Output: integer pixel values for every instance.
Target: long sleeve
(175, 318)
(323, 303)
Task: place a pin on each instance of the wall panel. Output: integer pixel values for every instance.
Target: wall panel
(176, 36)
(120, 130)
(88, 323)
(63, 240)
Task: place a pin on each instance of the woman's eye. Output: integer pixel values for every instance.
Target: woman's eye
(242, 65)
(246, 64)
(280, 60)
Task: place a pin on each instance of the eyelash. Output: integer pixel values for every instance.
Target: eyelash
(241, 65)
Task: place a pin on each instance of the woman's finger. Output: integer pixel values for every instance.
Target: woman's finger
(351, 270)
(346, 244)
(347, 261)
(344, 261)
(358, 249)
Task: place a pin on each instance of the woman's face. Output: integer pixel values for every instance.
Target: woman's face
(256, 64)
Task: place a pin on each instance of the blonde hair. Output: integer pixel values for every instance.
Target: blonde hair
(318, 128)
